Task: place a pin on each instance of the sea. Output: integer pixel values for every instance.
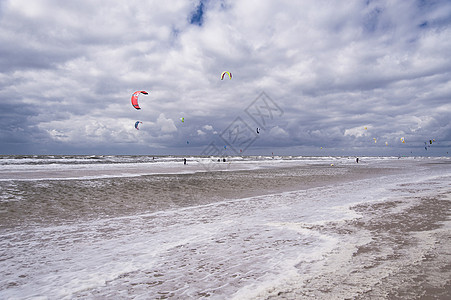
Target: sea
(153, 227)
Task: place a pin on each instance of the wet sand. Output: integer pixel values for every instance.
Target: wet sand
(405, 253)
(419, 240)
(352, 231)
(59, 201)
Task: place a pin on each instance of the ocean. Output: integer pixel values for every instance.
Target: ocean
(143, 227)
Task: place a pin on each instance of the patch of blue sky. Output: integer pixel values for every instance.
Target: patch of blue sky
(197, 17)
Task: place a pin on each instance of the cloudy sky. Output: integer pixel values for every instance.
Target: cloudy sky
(312, 77)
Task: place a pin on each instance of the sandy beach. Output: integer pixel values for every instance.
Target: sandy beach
(407, 254)
(305, 228)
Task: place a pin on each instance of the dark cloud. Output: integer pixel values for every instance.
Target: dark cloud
(68, 69)
(18, 134)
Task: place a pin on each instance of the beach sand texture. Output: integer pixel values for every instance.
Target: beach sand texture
(261, 229)
(407, 255)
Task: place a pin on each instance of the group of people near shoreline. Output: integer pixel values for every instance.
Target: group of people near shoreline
(224, 160)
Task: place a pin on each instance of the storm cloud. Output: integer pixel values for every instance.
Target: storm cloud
(68, 69)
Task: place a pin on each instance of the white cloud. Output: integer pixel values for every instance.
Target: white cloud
(357, 131)
(332, 67)
(278, 132)
(166, 125)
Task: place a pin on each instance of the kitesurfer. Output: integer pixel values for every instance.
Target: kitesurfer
(357, 160)
(224, 73)
(135, 98)
(184, 161)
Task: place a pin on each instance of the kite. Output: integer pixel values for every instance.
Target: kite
(137, 123)
(135, 98)
(182, 119)
(402, 140)
(258, 130)
(375, 140)
(224, 73)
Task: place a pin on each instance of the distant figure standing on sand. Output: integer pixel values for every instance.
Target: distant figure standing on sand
(357, 160)
(184, 161)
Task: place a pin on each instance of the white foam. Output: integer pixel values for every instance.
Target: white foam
(241, 249)
(85, 169)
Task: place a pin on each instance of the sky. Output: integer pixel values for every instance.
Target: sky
(308, 77)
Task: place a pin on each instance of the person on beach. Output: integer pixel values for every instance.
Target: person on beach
(184, 161)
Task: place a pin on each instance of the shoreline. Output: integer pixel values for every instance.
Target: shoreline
(355, 231)
(92, 171)
(180, 190)
(404, 253)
